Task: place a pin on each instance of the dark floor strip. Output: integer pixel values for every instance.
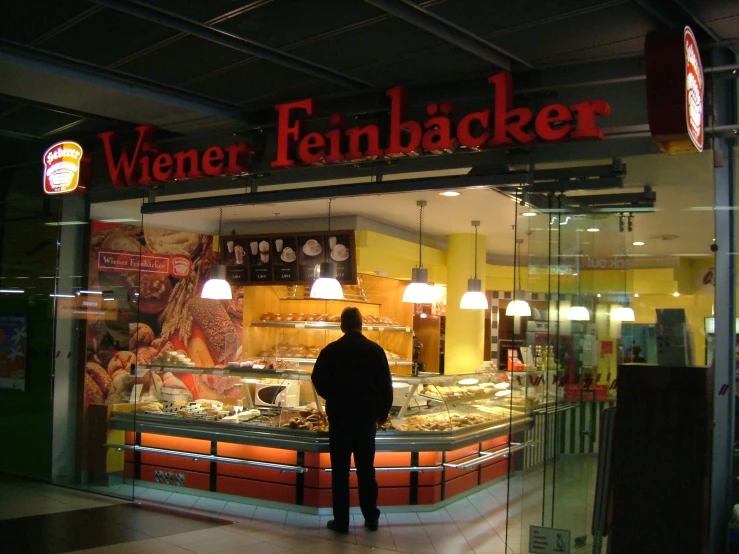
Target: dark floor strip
(94, 527)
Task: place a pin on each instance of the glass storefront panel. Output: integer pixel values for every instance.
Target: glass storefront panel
(643, 281)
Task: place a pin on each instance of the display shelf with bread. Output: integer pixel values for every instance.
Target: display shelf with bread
(279, 322)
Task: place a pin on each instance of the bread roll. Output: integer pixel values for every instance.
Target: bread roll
(219, 331)
(93, 394)
(100, 376)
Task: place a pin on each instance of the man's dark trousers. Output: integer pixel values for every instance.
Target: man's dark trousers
(347, 437)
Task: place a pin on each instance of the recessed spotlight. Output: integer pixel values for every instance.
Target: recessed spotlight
(636, 295)
(529, 214)
(638, 243)
(592, 230)
(450, 193)
(598, 295)
(574, 274)
(675, 294)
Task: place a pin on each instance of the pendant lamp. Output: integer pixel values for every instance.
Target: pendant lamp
(216, 287)
(518, 307)
(326, 286)
(419, 291)
(624, 312)
(474, 298)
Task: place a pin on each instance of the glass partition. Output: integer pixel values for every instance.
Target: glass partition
(605, 288)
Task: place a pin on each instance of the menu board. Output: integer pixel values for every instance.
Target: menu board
(287, 259)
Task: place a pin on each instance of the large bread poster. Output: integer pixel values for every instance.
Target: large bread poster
(156, 276)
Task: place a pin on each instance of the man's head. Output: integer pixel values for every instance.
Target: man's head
(351, 320)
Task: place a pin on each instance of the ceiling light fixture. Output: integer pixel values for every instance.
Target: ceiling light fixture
(518, 307)
(474, 298)
(676, 294)
(11, 291)
(326, 286)
(638, 243)
(592, 230)
(450, 193)
(577, 311)
(217, 287)
(419, 291)
(529, 214)
(624, 312)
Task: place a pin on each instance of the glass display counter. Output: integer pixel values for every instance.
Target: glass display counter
(445, 434)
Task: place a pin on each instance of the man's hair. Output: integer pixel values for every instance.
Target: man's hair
(351, 320)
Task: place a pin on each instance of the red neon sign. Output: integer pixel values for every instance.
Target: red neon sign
(146, 164)
(502, 126)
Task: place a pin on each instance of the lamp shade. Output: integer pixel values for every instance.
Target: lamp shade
(518, 308)
(578, 313)
(623, 313)
(474, 298)
(216, 287)
(326, 286)
(419, 291)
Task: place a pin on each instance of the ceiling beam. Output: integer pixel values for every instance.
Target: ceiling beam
(674, 14)
(446, 30)
(174, 38)
(47, 62)
(233, 41)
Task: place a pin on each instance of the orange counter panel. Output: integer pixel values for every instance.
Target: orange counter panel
(460, 485)
(258, 453)
(494, 470)
(178, 462)
(257, 473)
(429, 495)
(197, 446)
(256, 489)
(322, 479)
(382, 459)
(494, 444)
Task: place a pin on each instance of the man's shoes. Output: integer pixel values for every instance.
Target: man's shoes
(371, 525)
(336, 528)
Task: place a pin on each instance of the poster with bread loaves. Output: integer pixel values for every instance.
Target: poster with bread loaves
(158, 275)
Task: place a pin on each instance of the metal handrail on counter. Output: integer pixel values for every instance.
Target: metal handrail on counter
(282, 468)
(486, 456)
(419, 469)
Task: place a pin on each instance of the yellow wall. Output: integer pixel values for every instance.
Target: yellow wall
(655, 286)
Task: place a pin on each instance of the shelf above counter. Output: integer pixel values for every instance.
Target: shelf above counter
(330, 325)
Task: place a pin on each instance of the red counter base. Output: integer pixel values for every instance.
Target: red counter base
(312, 488)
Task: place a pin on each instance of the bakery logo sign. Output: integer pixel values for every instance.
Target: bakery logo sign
(178, 267)
(675, 90)
(500, 126)
(694, 85)
(65, 168)
(145, 165)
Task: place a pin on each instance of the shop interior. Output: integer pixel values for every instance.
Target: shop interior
(485, 393)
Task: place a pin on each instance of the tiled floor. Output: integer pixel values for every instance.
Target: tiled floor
(479, 523)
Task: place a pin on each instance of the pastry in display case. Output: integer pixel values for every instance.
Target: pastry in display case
(265, 395)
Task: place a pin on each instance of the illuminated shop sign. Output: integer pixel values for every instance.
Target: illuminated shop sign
(65, 167)
(502, 125)
(694, 85)
(675, 91)
(145, 164)
(442, 132)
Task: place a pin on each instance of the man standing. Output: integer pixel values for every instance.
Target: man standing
(353, 376)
